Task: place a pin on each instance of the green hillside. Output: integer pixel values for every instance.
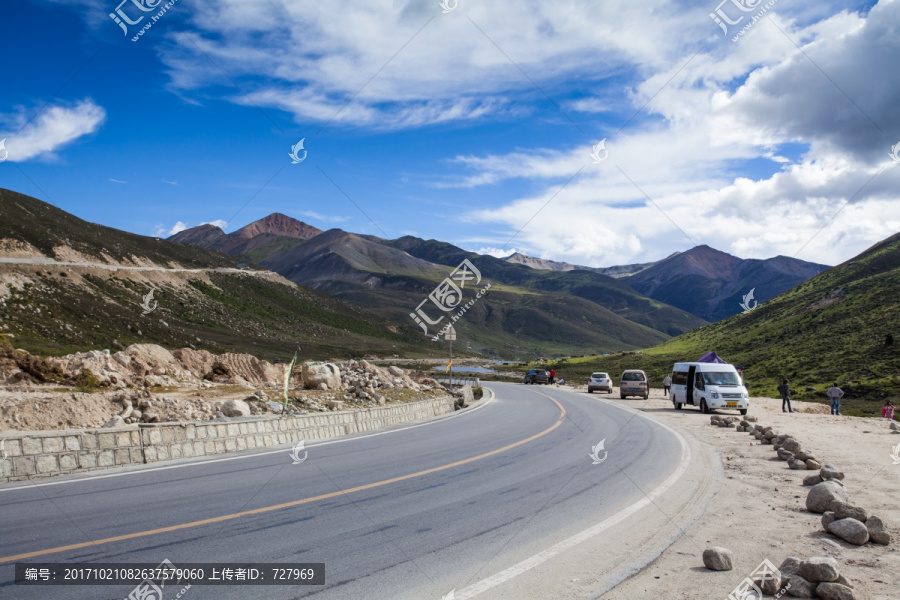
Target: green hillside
(54, 309)
(838, 326)
(610, 293)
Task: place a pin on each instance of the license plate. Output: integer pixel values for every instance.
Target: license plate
(731, 404)
(632, 389)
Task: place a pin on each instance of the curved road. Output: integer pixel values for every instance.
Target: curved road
(437, 506)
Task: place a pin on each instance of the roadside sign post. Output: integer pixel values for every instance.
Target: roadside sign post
(450, 336)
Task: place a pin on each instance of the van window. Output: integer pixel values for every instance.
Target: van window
(698, 381)
(679, 378)
(720, 378)
(632, 376)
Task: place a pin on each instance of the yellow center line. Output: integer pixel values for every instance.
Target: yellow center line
(265, 509)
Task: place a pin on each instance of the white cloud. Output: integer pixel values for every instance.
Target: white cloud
(221, 224)
(496, 252)
(711, 129)
(161, 230)
(52, 128)
(117, 180)
(175, 183)
(325, 218)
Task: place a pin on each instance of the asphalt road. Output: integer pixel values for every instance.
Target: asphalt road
(439, 505)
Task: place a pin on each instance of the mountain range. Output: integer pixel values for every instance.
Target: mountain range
(536, 306)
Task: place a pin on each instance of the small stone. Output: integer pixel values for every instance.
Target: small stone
(850, 530)
(785, 455)
(844, 510)
(831, 472)
(718, 558)
(797, 465)
(116, 421)
(827, 518)
(790, 565)
(813, 465)
(895, 426)
(751, 419)
(822, 496)
(235, 408)
(812, 479)
(817, 569)
(834, 591)
(804, 455)
(878, 532)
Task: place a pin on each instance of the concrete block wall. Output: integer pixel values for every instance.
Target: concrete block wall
(27, 454)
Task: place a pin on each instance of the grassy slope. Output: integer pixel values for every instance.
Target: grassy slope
(833, 327)
(61, 312)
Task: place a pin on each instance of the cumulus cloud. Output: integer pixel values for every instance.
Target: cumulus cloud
(51, 129)
(699, 175)
(496, 252)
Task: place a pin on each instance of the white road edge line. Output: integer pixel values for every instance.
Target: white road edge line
(196, 463)
(569, 543)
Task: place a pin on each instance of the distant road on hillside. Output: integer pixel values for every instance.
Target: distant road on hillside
(55, 263)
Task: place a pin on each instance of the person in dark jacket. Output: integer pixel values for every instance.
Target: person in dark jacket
(785, 392)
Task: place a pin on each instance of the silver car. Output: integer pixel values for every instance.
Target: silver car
(600, 381)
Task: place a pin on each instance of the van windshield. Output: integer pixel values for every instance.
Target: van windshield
(632, 377)
(720, 378)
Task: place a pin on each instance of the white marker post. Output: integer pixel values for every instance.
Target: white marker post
(450, 336)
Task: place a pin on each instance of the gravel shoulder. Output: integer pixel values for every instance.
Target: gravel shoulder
(759, 512)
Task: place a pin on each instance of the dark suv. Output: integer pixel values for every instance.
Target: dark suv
(537, 376)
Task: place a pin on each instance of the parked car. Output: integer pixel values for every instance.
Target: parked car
(535, 376)
(710, 386)
(600, 381)
(634, 383)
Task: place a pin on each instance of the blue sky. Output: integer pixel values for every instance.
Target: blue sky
(469, 125)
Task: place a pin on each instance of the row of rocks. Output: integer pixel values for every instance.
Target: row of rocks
(853, 524)
(814, 577)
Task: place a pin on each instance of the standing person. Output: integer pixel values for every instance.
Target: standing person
(785, 392)
(667, 385)
(888, 411)
(552, 375)
(835, 393)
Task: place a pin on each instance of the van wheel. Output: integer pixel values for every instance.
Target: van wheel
(621, 397)
(646, 396)
(703, 407)
(590, 391)
(678, 405)
(743, 411)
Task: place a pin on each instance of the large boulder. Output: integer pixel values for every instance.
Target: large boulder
(467, 396)
(850, 530)
(235, 408)
(316, 374)
(822, 496)
(818, 569)
(718, 558)
(878, 532)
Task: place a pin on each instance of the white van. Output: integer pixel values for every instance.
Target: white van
(709, 386)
